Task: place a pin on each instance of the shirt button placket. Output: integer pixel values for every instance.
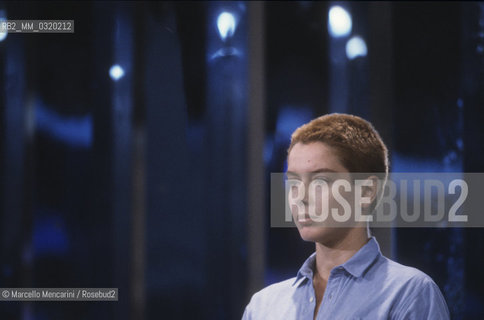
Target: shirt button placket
(310, 309)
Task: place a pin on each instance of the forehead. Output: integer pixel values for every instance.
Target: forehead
(312, 157)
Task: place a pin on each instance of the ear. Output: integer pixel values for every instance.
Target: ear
(370, 191)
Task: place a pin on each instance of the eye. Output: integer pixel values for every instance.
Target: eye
(291, 177)
(293, 181)
(323, 178)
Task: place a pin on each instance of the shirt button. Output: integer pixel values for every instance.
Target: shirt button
(311, 299)
(331, 296)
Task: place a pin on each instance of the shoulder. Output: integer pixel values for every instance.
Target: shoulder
(274, 291)
(414, 292)
(405, 275)
(266, 303)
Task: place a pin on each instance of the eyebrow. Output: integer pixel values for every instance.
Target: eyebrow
(314, 171)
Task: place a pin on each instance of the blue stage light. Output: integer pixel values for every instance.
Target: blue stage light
(339, 22)
(226, 25)
(356, 47)
(116, 72)
(3, 18)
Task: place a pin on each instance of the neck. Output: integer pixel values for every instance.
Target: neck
(330, 255)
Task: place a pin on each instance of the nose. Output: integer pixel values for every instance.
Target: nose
(305, 199)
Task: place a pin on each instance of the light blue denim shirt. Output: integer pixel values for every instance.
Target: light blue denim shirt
(367, 286)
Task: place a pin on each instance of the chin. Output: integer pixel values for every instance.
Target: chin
(314, 233)
(326, 236)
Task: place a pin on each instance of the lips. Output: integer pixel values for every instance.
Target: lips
(305, 220)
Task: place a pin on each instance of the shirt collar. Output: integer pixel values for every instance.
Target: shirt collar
(306, 271)
(362, 260)
(357, 265)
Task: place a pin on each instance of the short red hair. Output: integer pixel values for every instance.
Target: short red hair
(356, 142)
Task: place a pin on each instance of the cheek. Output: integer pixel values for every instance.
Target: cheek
(342, 200)
(321, 199)
(294, 201)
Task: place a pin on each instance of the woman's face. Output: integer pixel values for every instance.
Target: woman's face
(318, 161)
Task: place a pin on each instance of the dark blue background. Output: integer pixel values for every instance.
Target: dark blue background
(142, 183)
